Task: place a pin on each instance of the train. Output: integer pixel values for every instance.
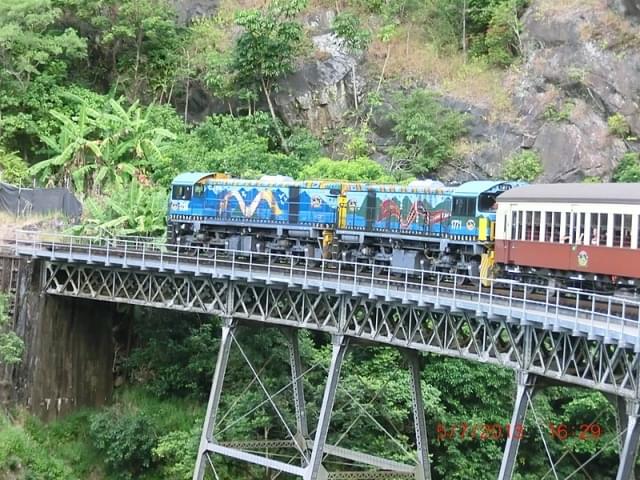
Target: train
(568, 234)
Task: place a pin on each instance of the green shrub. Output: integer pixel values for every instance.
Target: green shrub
(176, 451)
(361, 169)
(563, 114)
(13, 169)
(524, 166)
(11, 345)
(591, 180)
(628, 170)
(501, 39)
(176, 357)
(125, 439)
(21, 456)
(348, 27)
(131, 209)
(426, 132)
(618, 126)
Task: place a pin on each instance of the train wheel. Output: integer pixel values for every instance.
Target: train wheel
(361, 267)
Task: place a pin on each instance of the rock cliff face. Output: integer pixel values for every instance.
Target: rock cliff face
(580, 66)
(629, 8)
(190, 9)
(68, 356)
(320, 93)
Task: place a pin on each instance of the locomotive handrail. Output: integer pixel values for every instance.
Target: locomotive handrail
(344, 276)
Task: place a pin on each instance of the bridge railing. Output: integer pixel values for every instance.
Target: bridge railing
(601, 312)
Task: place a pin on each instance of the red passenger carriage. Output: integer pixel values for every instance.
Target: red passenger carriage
(581, 232)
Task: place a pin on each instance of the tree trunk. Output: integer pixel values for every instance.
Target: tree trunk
(135, 74)
(283, 141)
(384, 67)
(464, 30)
(355, 90)
(186, 101)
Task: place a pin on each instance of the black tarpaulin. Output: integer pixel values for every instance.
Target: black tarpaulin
(25, 201)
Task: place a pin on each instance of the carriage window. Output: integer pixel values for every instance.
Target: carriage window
(524, 216)
(464, 207)
(181, 192)
(626, 231)
(198, 190)
(598, 234)
(535, 231)
(617, 230)
(580, 228)
(554, 227)
(621, 230)
(571, 233)
(515, 220)
(548, 227)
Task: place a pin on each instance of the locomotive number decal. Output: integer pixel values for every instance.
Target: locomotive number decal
(180, 205)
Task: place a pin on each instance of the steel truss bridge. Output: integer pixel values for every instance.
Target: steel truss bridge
(544, 334)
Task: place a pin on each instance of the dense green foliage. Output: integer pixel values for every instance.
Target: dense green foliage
(484, 28)
(358, 169)
(21, 456)
(525, 166)
(152, 430)
(125, 440)
(11, 345)
(129, 209)
(628, 169)
(618, 125)
(13, 169)
(426, 131)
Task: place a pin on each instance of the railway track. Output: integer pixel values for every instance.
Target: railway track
(148, 251)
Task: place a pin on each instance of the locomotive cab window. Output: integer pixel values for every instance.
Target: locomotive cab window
(464, 207)
(198, 190)
(181, 192)
(487, 202)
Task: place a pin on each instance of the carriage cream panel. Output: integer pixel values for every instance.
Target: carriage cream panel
(504, 219)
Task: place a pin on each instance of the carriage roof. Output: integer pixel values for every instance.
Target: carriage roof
(619, 193)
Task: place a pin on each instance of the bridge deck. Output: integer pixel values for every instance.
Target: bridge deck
(612, 319)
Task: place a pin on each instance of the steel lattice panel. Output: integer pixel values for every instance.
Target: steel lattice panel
(557, 355)
(152, 289)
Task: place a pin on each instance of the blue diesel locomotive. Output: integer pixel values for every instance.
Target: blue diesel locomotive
(424, 225)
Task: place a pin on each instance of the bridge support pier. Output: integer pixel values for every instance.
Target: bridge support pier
(524, 391)
(340, 345)
(629, 449)
(206, 440)
(423, 469)
(302, 428)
